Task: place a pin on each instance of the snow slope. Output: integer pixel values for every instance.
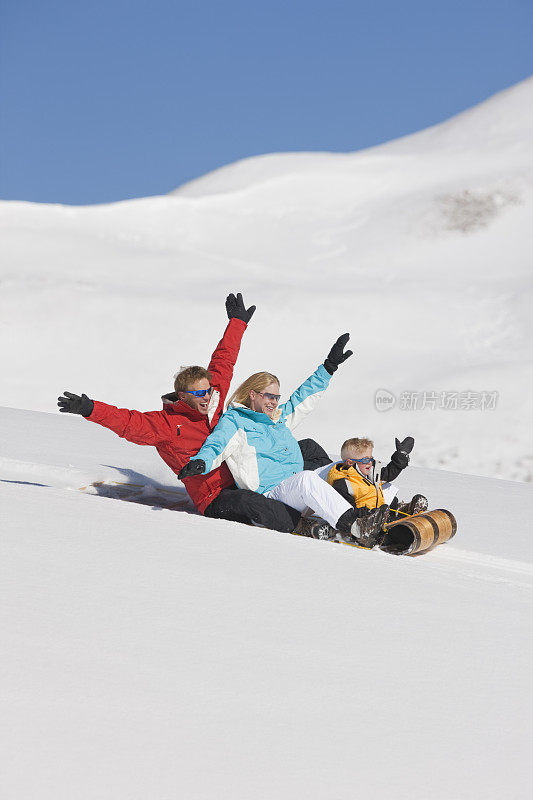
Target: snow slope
(420, 248)
(151, 653)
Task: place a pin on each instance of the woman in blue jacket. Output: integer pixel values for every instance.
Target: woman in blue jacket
(254, 437)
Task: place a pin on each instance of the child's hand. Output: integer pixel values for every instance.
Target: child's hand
(364, 511)
(400, 457)
(406, 446)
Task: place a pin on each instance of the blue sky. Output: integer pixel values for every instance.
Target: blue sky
(111, 99)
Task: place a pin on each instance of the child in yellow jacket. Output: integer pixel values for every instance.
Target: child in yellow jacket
(359, 479)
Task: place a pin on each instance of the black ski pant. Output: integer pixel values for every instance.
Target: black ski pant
(243, 505)
(314, 455)
(248, 507)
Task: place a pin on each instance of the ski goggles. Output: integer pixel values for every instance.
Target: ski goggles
(366, 460)
(199, 392)
(269, 396)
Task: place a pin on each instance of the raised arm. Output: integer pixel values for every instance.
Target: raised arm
(399, 459)
(305, 398)
(227, 350)
(149, 428)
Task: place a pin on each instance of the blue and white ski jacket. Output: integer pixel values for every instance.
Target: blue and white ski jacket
(259, 451)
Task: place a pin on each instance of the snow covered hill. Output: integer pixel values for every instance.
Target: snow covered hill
(501, 126)
(421, 248)
(148, 652)
(151, 653)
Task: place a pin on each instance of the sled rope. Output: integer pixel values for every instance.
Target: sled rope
(404, 513)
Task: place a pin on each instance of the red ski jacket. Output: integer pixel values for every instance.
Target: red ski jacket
(178, 431)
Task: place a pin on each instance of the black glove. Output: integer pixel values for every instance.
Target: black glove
(236, 310)
(74, 404)
(406, 446)
(337, 355)
(192, 468)
(400, 457)
(364, 511)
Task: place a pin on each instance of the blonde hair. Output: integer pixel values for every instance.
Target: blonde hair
(258, 382)
(188, 376)
(354, 447)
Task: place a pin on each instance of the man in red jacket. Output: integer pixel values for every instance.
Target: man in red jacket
(189, 415)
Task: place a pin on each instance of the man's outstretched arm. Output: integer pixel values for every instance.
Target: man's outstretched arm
(149, 428)
(227, 350)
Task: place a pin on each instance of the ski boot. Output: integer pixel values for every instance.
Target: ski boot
(315, 528)
(417, 505)
(368, 530)
(363, 527)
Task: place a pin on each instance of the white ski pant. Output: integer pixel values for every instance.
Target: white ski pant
(307, 489)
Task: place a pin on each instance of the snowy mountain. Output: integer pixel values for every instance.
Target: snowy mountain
(501, 126)
(420, 248)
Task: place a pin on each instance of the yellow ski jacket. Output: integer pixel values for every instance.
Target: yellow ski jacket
(360, 491)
